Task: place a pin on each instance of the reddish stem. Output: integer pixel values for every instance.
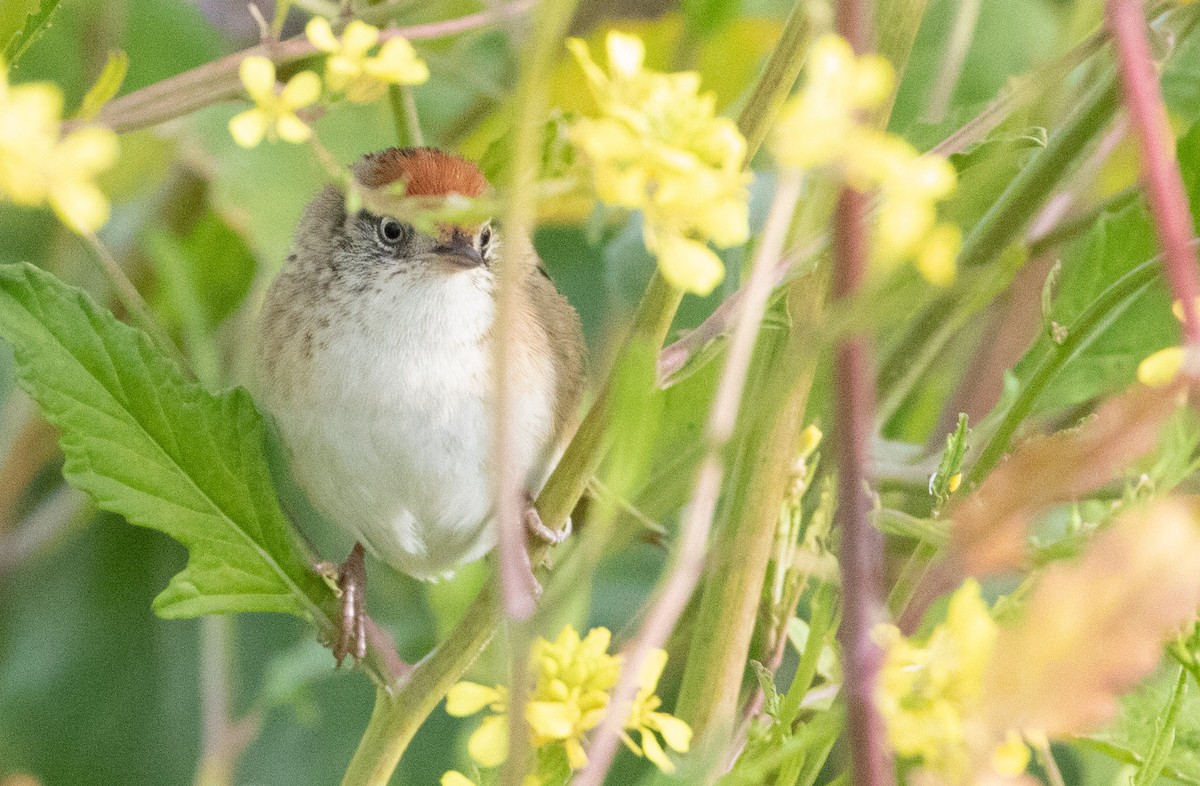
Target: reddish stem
(861, 545)
(1160, 171)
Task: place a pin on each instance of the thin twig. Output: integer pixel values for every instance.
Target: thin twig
(218, 80)
(1160, 171)
(957, 45)
(692, 540)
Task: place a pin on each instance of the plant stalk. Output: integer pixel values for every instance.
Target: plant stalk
(1161, 178)
(861, 545)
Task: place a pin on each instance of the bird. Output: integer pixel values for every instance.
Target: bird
(374, 358)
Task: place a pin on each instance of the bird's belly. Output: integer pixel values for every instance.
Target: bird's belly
(405, 463)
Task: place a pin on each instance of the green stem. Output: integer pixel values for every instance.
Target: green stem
(399, 713)
(1164, 735)
(778, 77)
(1036, 180)
(991, 237)
(732, 591)
(1099, 315)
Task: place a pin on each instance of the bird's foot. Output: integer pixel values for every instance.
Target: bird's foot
(350, 581)
(538, 529)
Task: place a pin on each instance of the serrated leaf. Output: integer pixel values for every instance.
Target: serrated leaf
(159, 450)
(105, 87)
(35, 24)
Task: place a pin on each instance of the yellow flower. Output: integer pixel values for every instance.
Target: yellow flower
(574, 678)
(647, 721)
(363, 77)
(929, 695)
(274, 114)
(37, 167)
(820, 125)
(659, 147)
(1161, 368)
(826, 125)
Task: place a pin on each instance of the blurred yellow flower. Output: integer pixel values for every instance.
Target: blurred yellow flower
(274, 114)
(820, 126)
(1160, 369)
(929, 694)
(827, 125)
(39, 167)
(573, 680)
(659, 147)
(364, 77)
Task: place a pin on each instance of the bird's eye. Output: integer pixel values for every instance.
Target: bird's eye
(391, 231)
(485, 238)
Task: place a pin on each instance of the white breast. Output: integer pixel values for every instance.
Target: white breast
(391, 437)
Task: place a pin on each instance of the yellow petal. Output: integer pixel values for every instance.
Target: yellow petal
(552, 719)
(1011, 757)
(625, 53)
(301, 90)
(489, 744)
(652, 668)
(358, 37)
(938, 253)
(292, 129)
(576, 757)
(1161, 368)
(397, 62)
(79, 205)
(320, 34)
(87, 151)
(468, 698)
(248, 128)
(258, 77)
(689, 265)
(1177, 308)
(655, 753)
(456, 778)
(677, 733)
(873, 81)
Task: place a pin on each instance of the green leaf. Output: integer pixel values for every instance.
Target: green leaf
(35, 24)
(105, 87)
(161, 451)
(1131, 736)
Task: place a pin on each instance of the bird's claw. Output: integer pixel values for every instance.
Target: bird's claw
(538, 529)
(352, 583)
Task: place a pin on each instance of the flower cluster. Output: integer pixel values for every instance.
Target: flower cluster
(658, 146)
(349, 69)
(360, 76)
(827, 126)
(573, 680)
(930, 694)
(39, 165)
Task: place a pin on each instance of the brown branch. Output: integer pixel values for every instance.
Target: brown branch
(1161, 178)
(218, 80)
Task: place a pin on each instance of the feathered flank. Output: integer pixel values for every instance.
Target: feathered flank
(427, 172)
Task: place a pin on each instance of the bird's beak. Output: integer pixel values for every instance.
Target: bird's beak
(460, 251)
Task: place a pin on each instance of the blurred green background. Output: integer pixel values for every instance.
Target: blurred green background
(93, 688)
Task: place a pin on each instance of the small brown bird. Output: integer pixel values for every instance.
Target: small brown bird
(374, 356)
